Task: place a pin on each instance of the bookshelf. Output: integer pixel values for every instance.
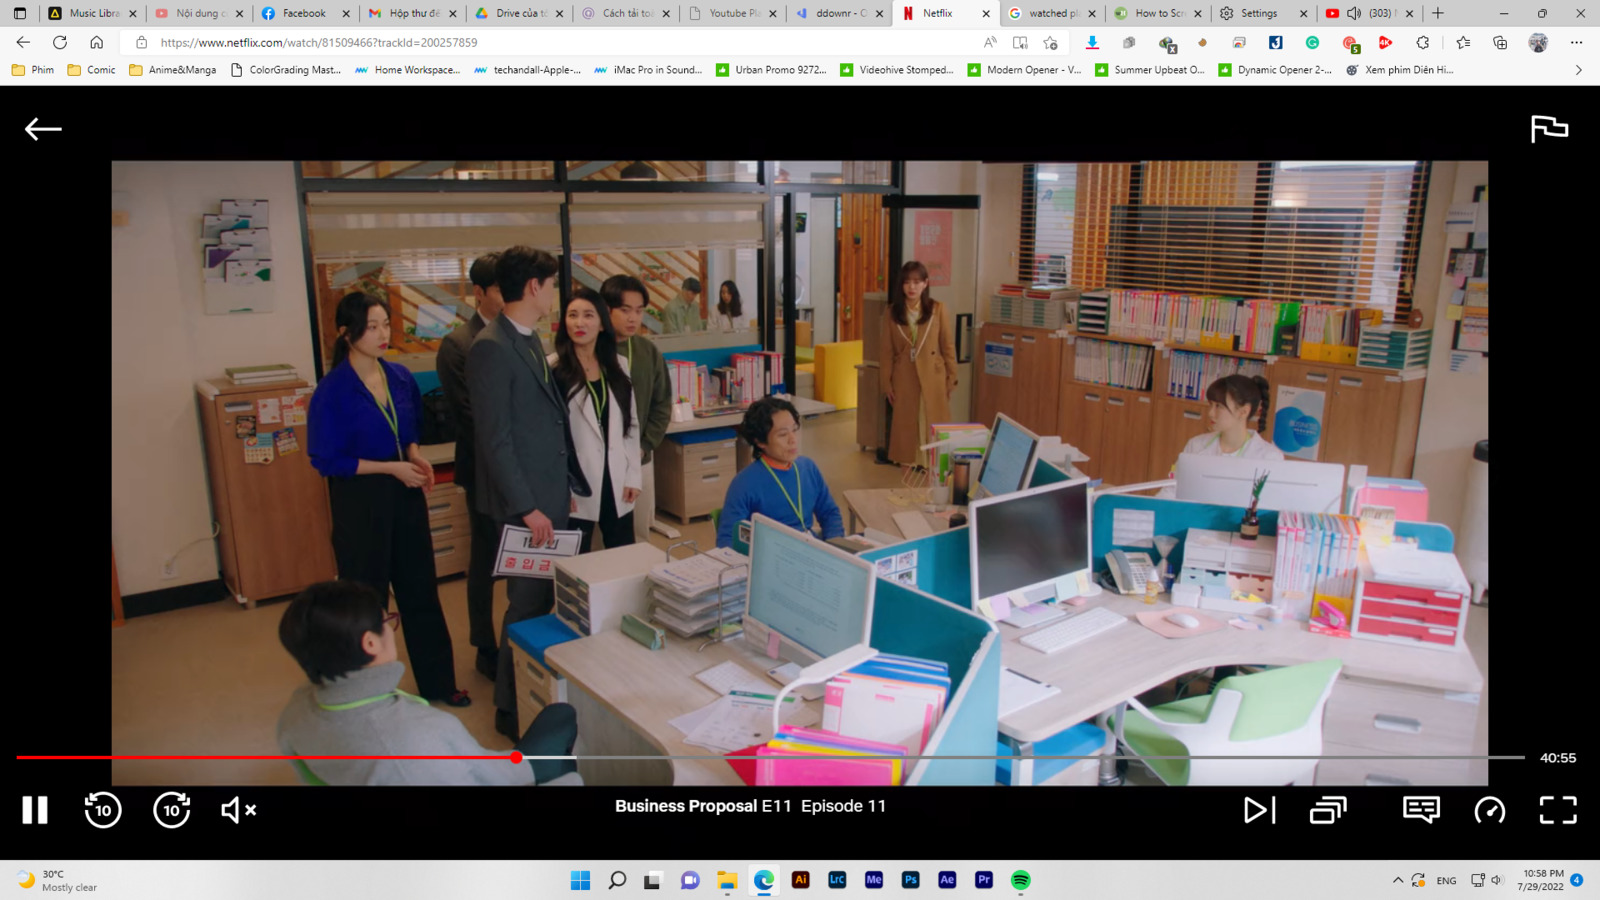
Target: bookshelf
(1135, 434)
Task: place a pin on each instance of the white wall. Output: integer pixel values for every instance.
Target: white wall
(162, 343)
(1455, 406)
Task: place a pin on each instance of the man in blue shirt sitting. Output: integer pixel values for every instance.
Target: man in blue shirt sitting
(781, 484)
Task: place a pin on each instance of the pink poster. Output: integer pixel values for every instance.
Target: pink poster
(933, 244)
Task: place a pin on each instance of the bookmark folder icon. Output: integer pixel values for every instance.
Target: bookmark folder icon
(135, 69)
(19, 69)
(74, 70)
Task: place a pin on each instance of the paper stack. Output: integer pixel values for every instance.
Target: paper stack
(687, 594)
(261, 374)
(1094, 309)
(1394, 347)
(893, 699)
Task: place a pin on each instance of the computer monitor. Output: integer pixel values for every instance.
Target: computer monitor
(815, 597)
(1292, 484)
(1008, 459)
(1032, 545)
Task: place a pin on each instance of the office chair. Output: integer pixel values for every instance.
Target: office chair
(1272, 713)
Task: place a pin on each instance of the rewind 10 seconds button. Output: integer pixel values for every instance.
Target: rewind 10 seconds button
(1490, 809)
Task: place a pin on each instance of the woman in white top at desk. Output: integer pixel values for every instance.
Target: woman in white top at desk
(605, 431)
(1236, 402)
(730, 312)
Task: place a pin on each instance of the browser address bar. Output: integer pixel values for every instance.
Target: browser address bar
(611, 42)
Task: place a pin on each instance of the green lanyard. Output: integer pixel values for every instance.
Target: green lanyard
(799, 489)
(340, 707)
(630, 354)
(599, 399)
(389, 415)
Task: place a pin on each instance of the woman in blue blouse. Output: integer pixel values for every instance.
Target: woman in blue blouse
(362, 434)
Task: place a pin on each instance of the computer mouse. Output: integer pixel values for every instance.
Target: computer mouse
(1183, 620)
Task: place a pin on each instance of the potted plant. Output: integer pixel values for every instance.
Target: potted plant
(1250, 526)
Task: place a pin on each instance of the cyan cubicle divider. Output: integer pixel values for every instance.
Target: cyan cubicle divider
(1174, 517)
(944, 565)
(714, 357)
(911, 623)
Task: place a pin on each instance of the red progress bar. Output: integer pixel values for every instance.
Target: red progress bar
(514, 756)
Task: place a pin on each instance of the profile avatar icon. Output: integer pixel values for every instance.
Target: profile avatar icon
(1537, 42)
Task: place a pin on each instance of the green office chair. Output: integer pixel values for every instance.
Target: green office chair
(1272, 713)
(716, 515)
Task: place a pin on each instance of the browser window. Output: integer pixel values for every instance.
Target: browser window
(1115, 206)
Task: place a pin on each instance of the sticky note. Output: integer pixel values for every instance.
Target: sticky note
(1001, 607)
(772, 644)
(1453, 313)
(986, 609)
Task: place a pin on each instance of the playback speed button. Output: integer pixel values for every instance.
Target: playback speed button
(1490, 809)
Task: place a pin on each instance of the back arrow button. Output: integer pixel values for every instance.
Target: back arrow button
(35, 126)
(21, 41)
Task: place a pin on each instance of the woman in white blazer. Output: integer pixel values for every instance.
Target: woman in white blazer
(605, 431)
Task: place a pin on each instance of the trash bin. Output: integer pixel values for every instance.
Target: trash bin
(1473, 548)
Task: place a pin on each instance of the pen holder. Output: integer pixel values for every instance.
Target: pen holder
(938, 499)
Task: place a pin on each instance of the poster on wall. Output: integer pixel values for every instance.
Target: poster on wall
(933, 244)
(1297, 428)
(997, 359)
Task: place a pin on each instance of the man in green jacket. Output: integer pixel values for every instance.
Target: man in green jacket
(652, 394)
(682, 313)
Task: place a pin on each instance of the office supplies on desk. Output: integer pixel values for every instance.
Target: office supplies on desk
(878, 709)
(1078, 628)
(912, 525)
(1031, 615)
(740, 717)
(787, 673)
(858, 762)
(729, 676)
(594, 590)
(1018, 691)
(1161, 622)
(1409, 596)
(650, 636)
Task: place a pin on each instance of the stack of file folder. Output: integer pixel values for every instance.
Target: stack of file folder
(1394, 347)
(892, 699)
(852, 761)
(687, 594)
(1094, 309)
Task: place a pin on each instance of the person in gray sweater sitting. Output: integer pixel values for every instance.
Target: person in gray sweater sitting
(340, 634)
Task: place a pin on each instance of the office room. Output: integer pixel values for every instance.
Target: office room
(1061, 302)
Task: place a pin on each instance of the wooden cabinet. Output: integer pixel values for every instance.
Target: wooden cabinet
(871, 408)
(450, 526)
(1370, 417)
(1112, 426)
(1403, 731)
(692, 478)
(1127, 433)
(1032, 357)
(1173, 423)
(274, 529)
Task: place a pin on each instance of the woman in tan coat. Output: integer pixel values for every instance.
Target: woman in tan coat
(916, 363)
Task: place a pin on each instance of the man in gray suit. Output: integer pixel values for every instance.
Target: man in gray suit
(452, 368)
(520, 421)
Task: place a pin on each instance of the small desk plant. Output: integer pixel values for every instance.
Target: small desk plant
(1250, 526)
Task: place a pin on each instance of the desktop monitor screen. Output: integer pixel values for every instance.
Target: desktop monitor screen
(1027, 541)
(1291, 484)
(815, 597)
(1008, 460)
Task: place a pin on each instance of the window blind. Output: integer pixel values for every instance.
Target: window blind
(1317, 232)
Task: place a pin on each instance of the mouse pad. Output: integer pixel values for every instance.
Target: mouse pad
(1156, 620)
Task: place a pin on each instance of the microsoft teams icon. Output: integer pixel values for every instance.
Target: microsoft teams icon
(1275, 42)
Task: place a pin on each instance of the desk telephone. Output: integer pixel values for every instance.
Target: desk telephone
(1130, 570)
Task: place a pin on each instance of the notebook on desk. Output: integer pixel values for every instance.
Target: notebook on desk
(913, 525)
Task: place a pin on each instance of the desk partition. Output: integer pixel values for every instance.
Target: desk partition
(910, 623)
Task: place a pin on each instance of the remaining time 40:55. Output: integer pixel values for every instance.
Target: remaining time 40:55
(1559, 758)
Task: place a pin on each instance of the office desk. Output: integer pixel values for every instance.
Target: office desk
(875, 508)
(626, 696)
(1389, 699)
(806, 407)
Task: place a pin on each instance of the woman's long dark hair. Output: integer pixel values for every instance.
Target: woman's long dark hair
(569, 371)
(351, 319)
(897, 294)
(1243, 390)
(731, 307)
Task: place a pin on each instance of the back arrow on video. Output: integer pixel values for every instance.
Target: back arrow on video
(22, 40)
(35, 126)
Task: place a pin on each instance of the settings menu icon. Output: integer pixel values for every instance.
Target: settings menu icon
(1226, 12)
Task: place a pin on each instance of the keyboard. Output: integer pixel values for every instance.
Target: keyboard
(1081, 627)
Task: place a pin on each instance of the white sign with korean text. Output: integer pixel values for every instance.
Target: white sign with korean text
(519, 558)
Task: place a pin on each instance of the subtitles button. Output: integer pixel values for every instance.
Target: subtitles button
(1424, 808)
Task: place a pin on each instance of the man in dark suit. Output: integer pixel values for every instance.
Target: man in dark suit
(520, 422)
(452, 368)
